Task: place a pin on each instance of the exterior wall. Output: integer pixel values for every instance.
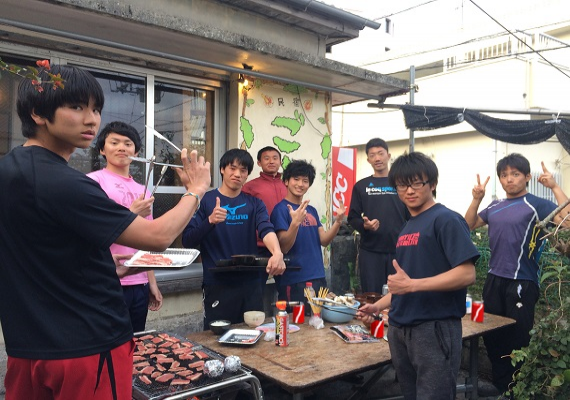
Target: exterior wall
(209, 19)
(296, 121)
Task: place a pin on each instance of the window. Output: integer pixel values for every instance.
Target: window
(536, 188)
(181, 111)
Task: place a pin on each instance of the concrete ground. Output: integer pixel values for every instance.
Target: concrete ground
(343, 389)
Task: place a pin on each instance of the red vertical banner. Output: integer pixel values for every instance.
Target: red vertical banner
(343, 176)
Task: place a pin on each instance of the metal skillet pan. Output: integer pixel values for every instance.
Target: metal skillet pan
(253, 260)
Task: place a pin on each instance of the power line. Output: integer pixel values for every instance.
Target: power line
(407, 9)
(520, 40)
(481, 60)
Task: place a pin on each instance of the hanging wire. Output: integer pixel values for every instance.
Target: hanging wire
(520, 40)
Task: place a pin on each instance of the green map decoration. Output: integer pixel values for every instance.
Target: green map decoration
(295, 89)
(288, 123)
(326, 146)
(247, 131)
(286, 161)
(285, 146)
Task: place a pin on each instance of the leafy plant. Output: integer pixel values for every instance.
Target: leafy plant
(35, 74)
(545, 373)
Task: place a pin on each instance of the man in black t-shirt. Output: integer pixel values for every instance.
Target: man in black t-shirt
(434, 264)
(378, 214)
(65, 324)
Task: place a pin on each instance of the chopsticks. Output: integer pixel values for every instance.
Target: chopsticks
(316, 304)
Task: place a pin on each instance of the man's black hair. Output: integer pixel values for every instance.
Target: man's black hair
(120, 128)
(409, 168)
(267, 148)
(516, 161)
(376, 142)
(242, 157)
(80, 87)
(299, 168)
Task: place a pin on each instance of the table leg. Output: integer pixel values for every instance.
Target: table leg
(473, 367)
(363, 389)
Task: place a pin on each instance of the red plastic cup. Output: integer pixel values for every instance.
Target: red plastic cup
(477, 311)
(377, 329)
(299, 314)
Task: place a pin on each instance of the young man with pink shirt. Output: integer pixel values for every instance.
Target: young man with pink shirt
(117, 142)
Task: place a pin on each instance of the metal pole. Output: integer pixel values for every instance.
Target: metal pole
(540, 111)
(412, 92)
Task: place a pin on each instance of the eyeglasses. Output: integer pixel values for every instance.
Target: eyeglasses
(415, 186)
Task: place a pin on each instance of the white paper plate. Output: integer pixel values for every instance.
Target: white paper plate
(180, 258)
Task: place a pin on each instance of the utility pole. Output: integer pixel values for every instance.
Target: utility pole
(412, 91)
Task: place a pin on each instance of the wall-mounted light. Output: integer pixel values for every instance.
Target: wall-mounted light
(242, 79)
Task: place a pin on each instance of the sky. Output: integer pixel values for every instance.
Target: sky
(426, 24)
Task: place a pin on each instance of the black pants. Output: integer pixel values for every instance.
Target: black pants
(514, 299)
(230, 302)
(136, 298)
(374, 269)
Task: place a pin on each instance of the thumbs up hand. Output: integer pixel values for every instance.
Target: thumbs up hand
(219, 214)
(400, 282)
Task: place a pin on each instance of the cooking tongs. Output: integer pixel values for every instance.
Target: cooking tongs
(150, 169)
(147, 160)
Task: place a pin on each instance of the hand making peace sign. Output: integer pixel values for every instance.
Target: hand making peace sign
(479, 189)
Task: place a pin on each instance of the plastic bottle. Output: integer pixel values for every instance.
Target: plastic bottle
(311, 291)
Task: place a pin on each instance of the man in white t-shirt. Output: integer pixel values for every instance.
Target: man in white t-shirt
(116, 142)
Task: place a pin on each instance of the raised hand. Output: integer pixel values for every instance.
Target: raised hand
(340, 212)
(546, 178)
(219, 214)
(195, 173)
(142, 206)
(400, 282)
(478, 191)
(298, 215)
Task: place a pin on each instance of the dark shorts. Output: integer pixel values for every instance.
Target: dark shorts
(137, 297)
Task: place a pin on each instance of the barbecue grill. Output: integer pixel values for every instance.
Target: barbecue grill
(203, 385)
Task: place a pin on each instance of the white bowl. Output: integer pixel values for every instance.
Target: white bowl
(254, 318)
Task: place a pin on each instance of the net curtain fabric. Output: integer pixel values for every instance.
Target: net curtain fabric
(422, 118)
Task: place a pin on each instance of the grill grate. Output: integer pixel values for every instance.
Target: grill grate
(157, 390)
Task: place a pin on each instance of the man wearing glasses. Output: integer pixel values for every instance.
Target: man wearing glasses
(434, 265)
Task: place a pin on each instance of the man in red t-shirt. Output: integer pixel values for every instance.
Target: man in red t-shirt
(268, 186)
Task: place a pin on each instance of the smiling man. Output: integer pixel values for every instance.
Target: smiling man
(434, 264)
(301, 234)
(377, 214)
(511, 288)
(116, 143)
(228, 223)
